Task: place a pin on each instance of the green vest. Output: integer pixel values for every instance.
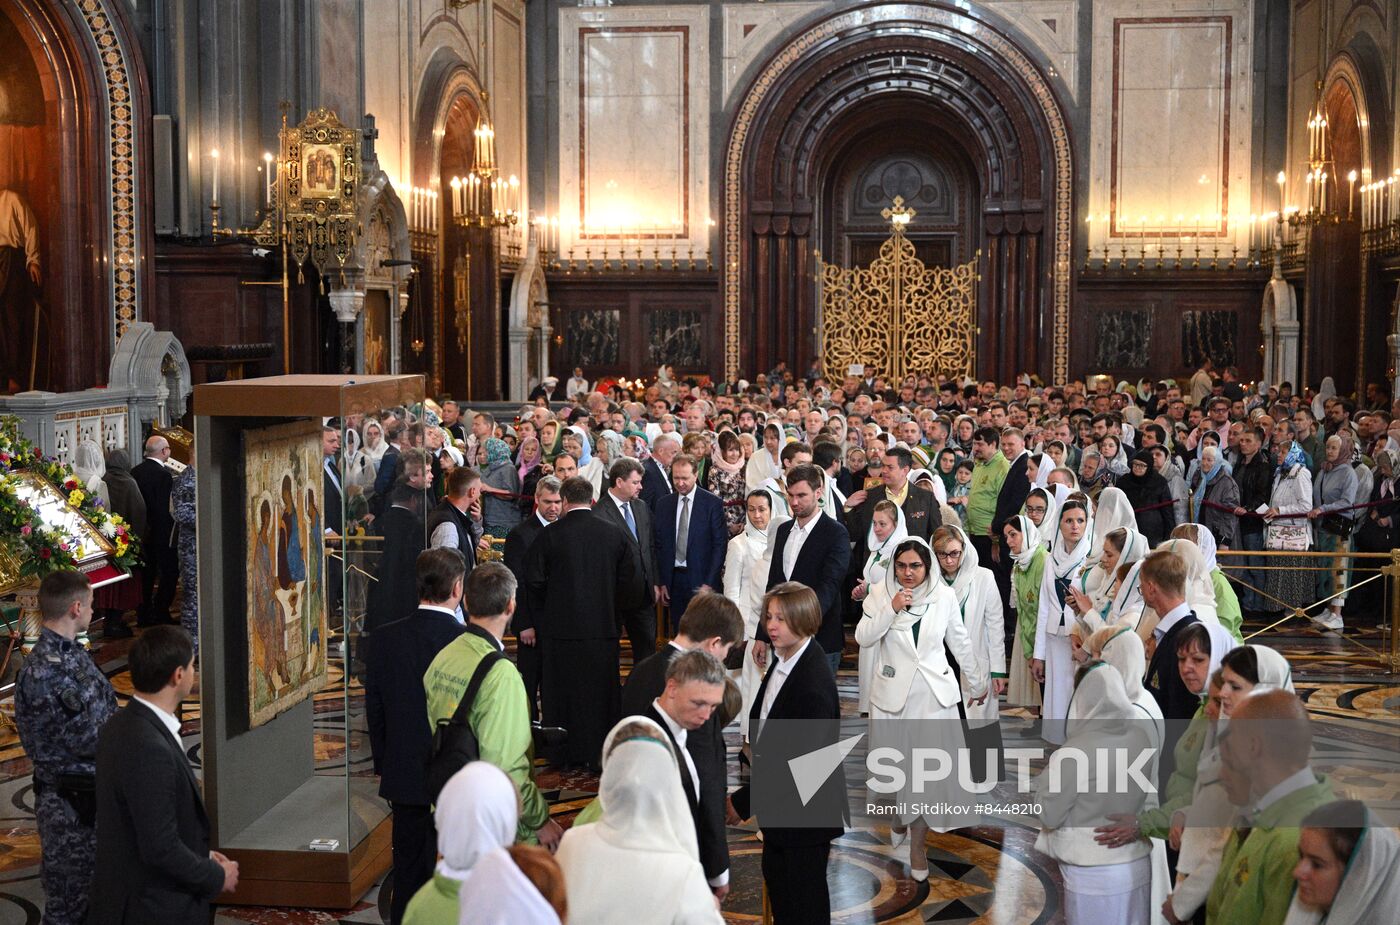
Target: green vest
(435, 903)
(1025, 586)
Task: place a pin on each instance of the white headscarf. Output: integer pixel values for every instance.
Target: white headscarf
(644, 808)
(919, 594)
(1205, 540)
(935, 484)
(376, 448)
(1274, 670)
(88, 464)
(1096, 581)
(1370, 887)
(1031, 542)
(758, 539)
(477, 812)
(1050, 523)
(1328, 390)
(965, 577)
(1113, 510)
(1065, 563)
(1200, 593)
(497, 892)
(878, 562)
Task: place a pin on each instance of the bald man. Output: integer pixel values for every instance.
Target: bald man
(1264, 766)
(158, 545)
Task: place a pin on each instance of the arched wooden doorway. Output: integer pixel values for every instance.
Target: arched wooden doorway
(888, 72)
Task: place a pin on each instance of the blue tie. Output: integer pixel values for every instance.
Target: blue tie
(627, 515)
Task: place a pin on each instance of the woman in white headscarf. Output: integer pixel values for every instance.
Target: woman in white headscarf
(1227, 603)
(1348, 870)
(497, 892)
(979, 602)
(911, 620)
(1200, 592)
(746, 551)
(1102, 884)
(1041, 509)
(89, 467)
(476, 813)
(1319, 402)
(887, 531)
(764, 464)
(1053, 661)
(1093, 592)
(751, 606)
(646, 826)
(1028, 556)
(1112, 510)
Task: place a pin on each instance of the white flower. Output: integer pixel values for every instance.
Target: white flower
(108, 529)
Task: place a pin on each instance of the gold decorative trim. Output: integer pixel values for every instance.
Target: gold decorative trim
(121, 154)
(948, 23)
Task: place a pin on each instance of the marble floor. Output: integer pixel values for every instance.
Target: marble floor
(983, 874)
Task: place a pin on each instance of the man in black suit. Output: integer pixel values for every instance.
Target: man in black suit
(153, 857)
(685, 708)
(396, 711)
(548, 505)
(656, 482)
(622, 506)
(690, 538)
(162, 560)
(394, 595)
(799, 685)
(815, 550)
(921, 515)
(1163, 583)
(334, 513)
(581, 579)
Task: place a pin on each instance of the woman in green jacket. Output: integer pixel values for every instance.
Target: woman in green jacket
(476, 813)
(1028, 553)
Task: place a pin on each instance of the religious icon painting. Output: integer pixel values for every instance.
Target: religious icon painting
(285, 567)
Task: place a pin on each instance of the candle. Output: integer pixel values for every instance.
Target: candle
(215, 155)
(267, 178)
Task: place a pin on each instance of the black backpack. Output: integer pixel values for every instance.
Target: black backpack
(454, 741)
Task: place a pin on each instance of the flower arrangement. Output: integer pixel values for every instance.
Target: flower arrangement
(42, 549)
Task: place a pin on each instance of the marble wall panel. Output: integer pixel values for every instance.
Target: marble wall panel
(1211, 334)
(508, 87)
(634, 121)
(673, 337)
(592, 337)
(1124, 339)
(1170, 121)
(753, 31)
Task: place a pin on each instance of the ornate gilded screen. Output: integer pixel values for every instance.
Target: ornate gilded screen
(898, 314)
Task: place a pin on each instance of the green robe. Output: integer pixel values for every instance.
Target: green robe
(1025, 586)
(1227, 604)
(1181, 786)
(1255, 882)
(435, 903)
(499, 716)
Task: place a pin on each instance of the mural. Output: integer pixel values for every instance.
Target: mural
(286, 604)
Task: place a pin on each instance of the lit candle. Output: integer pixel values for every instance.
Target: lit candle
(1351, 190)
(215, 155)
(267, 178)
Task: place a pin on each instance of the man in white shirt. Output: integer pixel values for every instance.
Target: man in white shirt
(695, 682)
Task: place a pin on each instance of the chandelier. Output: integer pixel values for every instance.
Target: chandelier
(483, 198)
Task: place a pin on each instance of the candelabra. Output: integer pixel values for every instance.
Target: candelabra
(627, 247)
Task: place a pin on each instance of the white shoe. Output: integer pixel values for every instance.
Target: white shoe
(1331, 620)
(897, 837)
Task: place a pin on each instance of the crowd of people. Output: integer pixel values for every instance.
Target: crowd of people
(968, 548)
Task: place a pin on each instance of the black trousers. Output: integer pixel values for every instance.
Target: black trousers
(530, 661)
(796, 879)
(640, 625)
(164, 562)
(414, 843)
(581, 694)
(682, 590)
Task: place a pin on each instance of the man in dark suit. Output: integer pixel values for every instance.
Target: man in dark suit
(394, 595)
(396, 711)
(1163, 583)
(162, 560)
(333, 507)
(691, 692)
(622, 506)
(656, 483)
(799, 685)
(816, 551)
(690, 540)
(1012, 496)
(581, 578)
(528, 654)
(153, 857)
(921, 516)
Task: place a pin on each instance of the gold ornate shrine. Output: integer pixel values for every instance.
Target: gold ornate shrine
(898, 314)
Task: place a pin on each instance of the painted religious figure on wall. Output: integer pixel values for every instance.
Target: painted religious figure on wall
(286, 602)
(24, 179)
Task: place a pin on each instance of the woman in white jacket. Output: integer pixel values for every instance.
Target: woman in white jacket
(909, 619)
(1102, 884)
(1052, 663)
(764, 464)
(745, 551)
(979, 602)
(1288, 580)
(887, 531)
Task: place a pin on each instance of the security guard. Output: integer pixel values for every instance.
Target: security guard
(61, 702)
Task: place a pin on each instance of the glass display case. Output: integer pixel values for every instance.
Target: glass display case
(289, 549)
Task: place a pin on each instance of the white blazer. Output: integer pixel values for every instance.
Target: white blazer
(898, 659)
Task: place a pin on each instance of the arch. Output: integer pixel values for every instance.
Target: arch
(99, 101)
(981, 84)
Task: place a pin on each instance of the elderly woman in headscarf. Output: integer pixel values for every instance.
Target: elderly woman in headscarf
(1377, 531)
(500, 489)
(1289, 583)
(1150, 497)
(1214, 497)
(1094, 474)
(645, 825)
(89, 467)
(476, 813)
(1348, 869)
(1101, 883)
(1334, 491)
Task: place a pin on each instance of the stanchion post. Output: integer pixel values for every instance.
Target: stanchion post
(1393, 570)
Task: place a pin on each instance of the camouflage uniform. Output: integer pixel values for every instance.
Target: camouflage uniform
(62, 701)
(182, 502)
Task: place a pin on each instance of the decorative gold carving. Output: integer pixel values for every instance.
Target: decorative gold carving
(898, 314)
(462, 301)
(942, 24)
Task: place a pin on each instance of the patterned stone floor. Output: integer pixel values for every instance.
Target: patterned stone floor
(983, 874)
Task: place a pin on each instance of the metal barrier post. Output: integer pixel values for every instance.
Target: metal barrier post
(1393, 570)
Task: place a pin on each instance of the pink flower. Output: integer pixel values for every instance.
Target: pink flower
(26, 530)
